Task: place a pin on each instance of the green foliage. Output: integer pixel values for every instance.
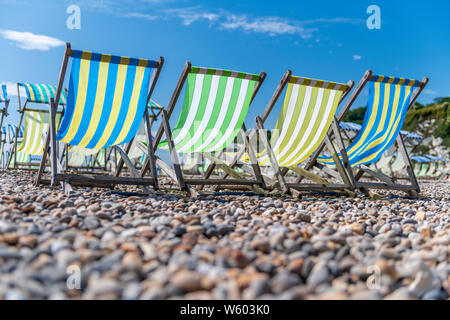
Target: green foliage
(439, 112)
(355, 115)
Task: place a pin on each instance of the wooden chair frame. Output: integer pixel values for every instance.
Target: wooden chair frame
(385, 182)
(176, 173)
(106, 181)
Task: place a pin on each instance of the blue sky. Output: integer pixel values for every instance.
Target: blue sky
(327, 40)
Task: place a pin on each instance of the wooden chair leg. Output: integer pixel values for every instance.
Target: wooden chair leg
(253, 158)
(273, 161)
(173, 153)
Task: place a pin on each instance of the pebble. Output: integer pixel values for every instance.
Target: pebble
(166, 246)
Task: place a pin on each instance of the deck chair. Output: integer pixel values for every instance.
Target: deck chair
(36, 122)
(421, 165)
(389, 101)
(4, 103)
(215, 105)
(306, 116)
(81, 159)
(350, 130)
(107, 101)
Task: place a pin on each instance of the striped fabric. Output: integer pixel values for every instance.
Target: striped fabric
(143, 159)
(12, 130)
(42, 93)
(36, 124)
(388, 103)
(106, 101)
(101, 157)
(215, 105)
(308, 110)
(22, 157)
(77, 155)
(411, 135)
(154, 105)
(350, 126)
(3, 93)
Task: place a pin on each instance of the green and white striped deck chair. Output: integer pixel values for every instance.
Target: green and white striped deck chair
(41, 93)
(431, 169)
(106, 102)
(77, 156)
(305, 118)
(215, 105)
(388, 102)
(21, 158)
(423, 170)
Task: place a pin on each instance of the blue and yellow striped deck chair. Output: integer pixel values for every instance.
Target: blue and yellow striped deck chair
(106, 102)
(388, 103)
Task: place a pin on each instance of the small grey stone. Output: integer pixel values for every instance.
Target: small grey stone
(91, 222)
(319, 274)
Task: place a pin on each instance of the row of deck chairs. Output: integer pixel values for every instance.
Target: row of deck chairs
(431, 167)
(108, 99)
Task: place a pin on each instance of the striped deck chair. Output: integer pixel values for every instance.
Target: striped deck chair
(4, 103)
(106, 102)
(424, 169)
(215, 105)
(305, 118)
(36, 126)
(389, 101)
(36, 120)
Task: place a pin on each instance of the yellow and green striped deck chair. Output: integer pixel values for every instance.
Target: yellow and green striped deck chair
(35, 128)
(106, 102)
(215, 105)
(388, 103)
(305, 118)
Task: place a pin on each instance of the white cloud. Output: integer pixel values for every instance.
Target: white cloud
(270, 25)
(141, 16)
(429, 91)
(357, 57)
(31, 41)
(190, 15)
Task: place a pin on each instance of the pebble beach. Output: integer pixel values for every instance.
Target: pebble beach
(103, 244)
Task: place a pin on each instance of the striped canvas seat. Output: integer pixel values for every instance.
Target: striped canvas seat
(3, 93)
(106, 100)
(36, 124)
(388, 103)
(13, 129)
(42, 93)
(214, 108)
(22, 157)
(308, 110)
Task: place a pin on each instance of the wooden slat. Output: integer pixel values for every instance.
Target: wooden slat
(98, 179)
(221, 182)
